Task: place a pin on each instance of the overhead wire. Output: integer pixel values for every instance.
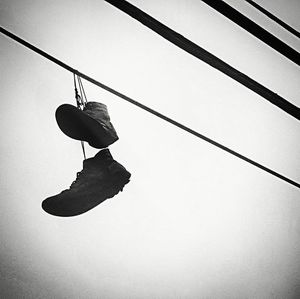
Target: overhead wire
(274, 18)
(197, 51)
(254, 29)
(148, 109)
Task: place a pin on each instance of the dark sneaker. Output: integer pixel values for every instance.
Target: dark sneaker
(101, 178)
(92, 124)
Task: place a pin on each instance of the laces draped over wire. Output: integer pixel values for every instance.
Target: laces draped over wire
(81, 101)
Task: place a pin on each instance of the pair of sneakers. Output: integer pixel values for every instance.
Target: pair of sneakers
(101, 177)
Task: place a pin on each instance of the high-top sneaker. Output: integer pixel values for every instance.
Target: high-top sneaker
(92, 124)
(101, 178)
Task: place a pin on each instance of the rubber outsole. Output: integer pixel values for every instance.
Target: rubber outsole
(77, 125)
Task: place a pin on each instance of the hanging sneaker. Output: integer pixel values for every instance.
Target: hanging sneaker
(101, 178)
(92, 124)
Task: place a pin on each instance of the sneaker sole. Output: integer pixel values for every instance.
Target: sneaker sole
(77, 125)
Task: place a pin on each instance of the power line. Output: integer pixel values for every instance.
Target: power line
(274, 18)
(150, 110)
(259, 32)
(205, 56)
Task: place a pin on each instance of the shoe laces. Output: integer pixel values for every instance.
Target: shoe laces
(78, 175)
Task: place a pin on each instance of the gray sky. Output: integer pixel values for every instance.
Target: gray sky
(194, 222)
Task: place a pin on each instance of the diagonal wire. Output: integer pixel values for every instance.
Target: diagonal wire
(254, 29)
(195, 50)
(148, 109)
(274, 18)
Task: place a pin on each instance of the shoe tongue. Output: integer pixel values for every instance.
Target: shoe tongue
(87, 162)
(95, 105)
(104, 154)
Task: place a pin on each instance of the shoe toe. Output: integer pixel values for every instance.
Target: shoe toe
(55, 207)
(47, 206)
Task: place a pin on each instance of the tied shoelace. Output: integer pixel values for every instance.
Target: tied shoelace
(78, 175)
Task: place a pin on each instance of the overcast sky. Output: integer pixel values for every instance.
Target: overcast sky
(194, 222)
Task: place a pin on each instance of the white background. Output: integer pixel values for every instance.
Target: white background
(194, 222)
